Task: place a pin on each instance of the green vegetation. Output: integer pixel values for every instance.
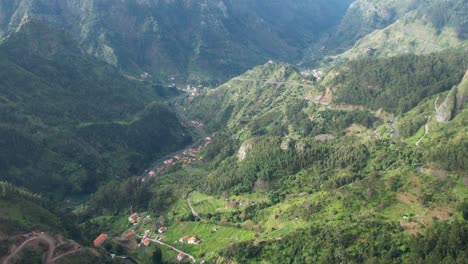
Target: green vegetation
(21, 210)
(398, 84)
(363, 163)
(382, 28)
(49, 89)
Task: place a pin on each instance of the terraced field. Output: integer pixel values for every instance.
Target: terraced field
(214, 237)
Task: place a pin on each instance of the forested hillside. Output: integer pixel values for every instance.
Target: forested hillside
(70, 122)
(123, 129)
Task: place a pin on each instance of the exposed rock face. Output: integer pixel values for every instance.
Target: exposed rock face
(445, 111)
(244, 150)
(462, 93)
(454, 102)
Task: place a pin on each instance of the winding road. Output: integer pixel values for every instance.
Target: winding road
(48, 257)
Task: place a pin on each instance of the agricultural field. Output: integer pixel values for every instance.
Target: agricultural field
(214, 237)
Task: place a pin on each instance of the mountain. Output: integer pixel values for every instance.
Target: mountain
(433, 27)
(206, 40)
(362, 160)
(347, 157)
(70, 122)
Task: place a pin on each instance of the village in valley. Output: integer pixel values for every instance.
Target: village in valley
(135, 236)
(186, 157)
(138, 237)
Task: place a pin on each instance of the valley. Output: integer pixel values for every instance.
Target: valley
(306, 131)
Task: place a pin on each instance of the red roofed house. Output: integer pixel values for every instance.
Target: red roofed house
(100, 240)
(151, 173)
(145, 241)
(133, 218)
(184, 239)
(168, 162)
(129, 234)
(162, 230)
(180, 256)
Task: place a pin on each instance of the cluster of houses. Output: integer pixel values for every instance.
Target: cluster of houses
(196, 123)
(194, 240)
(194, 91)
(145, 75)
(187, 157)
(316, 73)
(145, 240)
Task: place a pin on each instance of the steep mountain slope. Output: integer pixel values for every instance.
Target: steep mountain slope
(323, 177)
(432, 27)
(209, 39)
(362, 17)
(397, 84)
(69, 122)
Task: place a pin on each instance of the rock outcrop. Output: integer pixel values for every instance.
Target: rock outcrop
(454, 102)
(445, 111)
(245, 148)
(462, 94)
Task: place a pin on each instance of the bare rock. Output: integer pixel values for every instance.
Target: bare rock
(285, 144)
(244, 150)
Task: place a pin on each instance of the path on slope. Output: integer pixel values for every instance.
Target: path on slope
(194, 213)
(268, 81)
(175, 249)
(426, 127)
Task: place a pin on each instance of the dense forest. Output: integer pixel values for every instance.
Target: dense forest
(398, 84)
(70, 122)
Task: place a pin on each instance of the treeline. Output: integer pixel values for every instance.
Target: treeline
(365, 241)
(268, 162)
(398, 84)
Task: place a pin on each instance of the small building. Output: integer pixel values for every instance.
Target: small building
(194, 240)
(151, 173)
(133, 218)
(100, 240)
(145, 241)
(129, 234)
(162, 230)
(180, 256)
(168, 162)
(184, 239)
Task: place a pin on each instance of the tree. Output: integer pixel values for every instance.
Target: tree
(119, 250)
(157, 256)
(108, 246)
